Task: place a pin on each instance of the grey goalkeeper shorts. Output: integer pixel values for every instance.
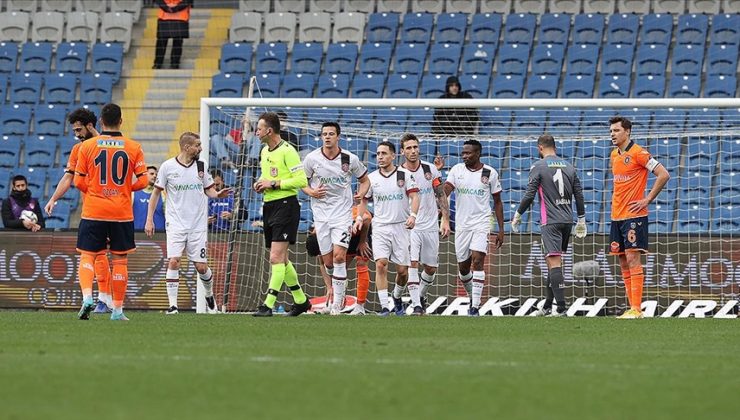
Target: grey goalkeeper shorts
(555, 238)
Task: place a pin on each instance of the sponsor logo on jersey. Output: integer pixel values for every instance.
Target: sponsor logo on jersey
(111, 144)
(331, 180)
(389, 197)
(187, 187)
(621, 178)
(478, 192)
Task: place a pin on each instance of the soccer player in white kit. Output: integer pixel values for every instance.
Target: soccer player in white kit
(425, 235)
(474, 183)
(188, 186)
(391, 188)
(329, 170)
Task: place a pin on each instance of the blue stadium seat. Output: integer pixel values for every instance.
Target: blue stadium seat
(687, 60)
(705, 119)
(427, 148)
(554, 29)
(578, 86)
(25, 88)
(10, 152)
(588, 29)
(298, 85)
(307, 58)
(693, 218)
(528, 123)
(402, 86)
(420, 120)
(657, 29)
(726, 219)
(382, 28)
(40, 151)
(684, 86)
(649, 87)
(15, 119)
(451, 28)
(375, 58)
(513, 59)
(236, 58)
(8, 57)
(520, 28)
(695, 187)
(583, 59)
(701, 155)
(651, 60)
(3, 88)
(96, 89)
(341, 58)
(478, 58)
(595, 121)
(722, 60)
(358, 146)
(672, 119)
(358, 119)
(617, 60)
(495, 122)
(368, 86)
(227, 85)
(271, 58)
(542, 86)
(548, 60)
(107, 59)
(668, 150)
(71, 57)
(410, 59)
(614, 87)
(725, 30)
(60, 88)
(485, 28)
(661, 220)
(66, 143)
(565, 123)
(333, 86)
(391, 120)
(36, 57)
(692, 29)
(445, 59)
(476, 85)
(417, 28)
(60, 218)
(639, 117)
(449, 149)
(727, 190)
(720, 86)
(507, 86)
(49, 120)
(268, 85)
(592, 180)
(5, 185)
(623, 29)
(432, 85)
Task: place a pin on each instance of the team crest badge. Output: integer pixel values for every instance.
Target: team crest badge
(401, 183)
(200, 174)
(614, 247)
(484, 180)
(345, 167)
(627, 160)
(273, 172)
(428, 176)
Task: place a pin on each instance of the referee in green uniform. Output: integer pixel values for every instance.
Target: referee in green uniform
(282, 177)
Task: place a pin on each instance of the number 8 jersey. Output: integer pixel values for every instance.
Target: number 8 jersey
(187, 204)
(110, 164)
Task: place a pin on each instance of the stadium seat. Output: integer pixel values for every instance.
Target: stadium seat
(623, 29)
(507, 86)
(60, 218)
(485, 28)
(368, 86)
(709, 7)
(71, 57)
(554, 29)
(132, 7)
(661, 220)
(542, 86)
(588, 29)
(727, 190)
(236, 58)
(692, 29)
(358, 119)
(117, 27)
(25, 88)
(461, 6)
(495, 122)
(725, 30)
(428, 6)
(227, 85)
(349, 27)
(520, 28)
(280, 27)
(60, 89)
(382, 28)
(614, 87)
(432, 86)
(3, 88)
(36, 57)
(395, 6)
(402, 86)
(66, 143)
(639, 7)
(617, 60)
(657, 29)
(107, 59)
(495, 6)
(295, 6)
(96, 89)
(314, 27)
(330, 6)
(693, 218)
(726, 219)
(375, 58)
(82, 26)
(451, 28)
(687, 60)
(341, 58)
(15, 119)
(674, 7)
(420, 120)
(478, 58)
(595, 122)
(306, 58)
(391, 120)
(409, 59)
(598, 6)
(565, 122)
(651, 60)
(39, 152)
(47, 27)
(29, 6)
(527, 123)
(297, 85)
(649, 87)
(476, 85)
(10, 152)
(268, 85)
(445, 59)
(261, 6)
(363, 6)
(14, 26)
(333, 86)
(536, 7)
(701, 154)
(548, 60)
(718, 86)
(246, 28)
(513, 59)
(722, 60)
(417, 28)
(582, 59)
(8, 57)
(706, 120)
(684, 86)
(271, 58)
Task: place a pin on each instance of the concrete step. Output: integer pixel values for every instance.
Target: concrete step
(164, 95)
(159, 115)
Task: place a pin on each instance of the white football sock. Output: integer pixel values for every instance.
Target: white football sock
(339, 284)
(383, 298)
(105, 298)
(478, 277)
(206, 278)
(426, 281)
(466, 282)
(173, 283)
(413, 286)
(398, 291)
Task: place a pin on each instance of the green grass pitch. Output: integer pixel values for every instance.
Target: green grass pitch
(318, 367)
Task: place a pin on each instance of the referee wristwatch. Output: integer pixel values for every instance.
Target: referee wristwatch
(273, 185)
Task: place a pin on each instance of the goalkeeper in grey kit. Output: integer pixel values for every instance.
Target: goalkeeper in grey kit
(556, 182)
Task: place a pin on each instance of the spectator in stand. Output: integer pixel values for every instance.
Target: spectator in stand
(141, 204)
(455, 121)
(172, 22)
(19, 208)
(220, 210)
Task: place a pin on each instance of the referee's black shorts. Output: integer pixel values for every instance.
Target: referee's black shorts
(280, 220)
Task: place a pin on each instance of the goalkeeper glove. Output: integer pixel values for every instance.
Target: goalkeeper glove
(515, 222)
(581, 227)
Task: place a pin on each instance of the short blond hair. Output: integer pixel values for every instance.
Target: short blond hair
(187, 138)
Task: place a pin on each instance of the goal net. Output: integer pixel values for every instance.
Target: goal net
(693, 268)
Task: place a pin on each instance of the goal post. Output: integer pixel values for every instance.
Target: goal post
(694, 259)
